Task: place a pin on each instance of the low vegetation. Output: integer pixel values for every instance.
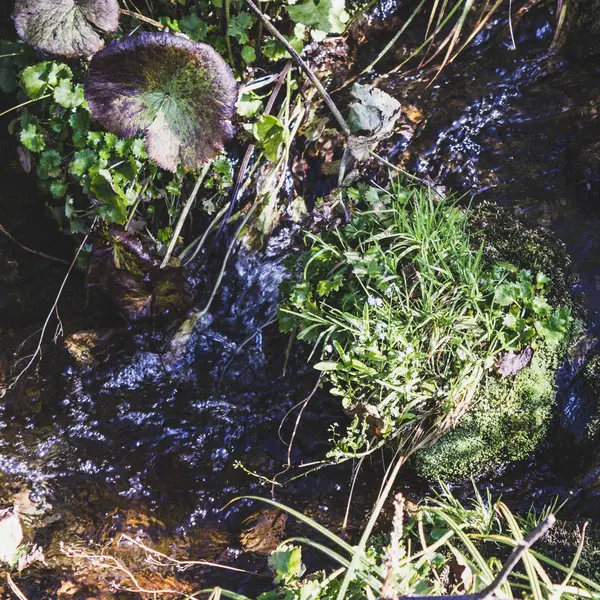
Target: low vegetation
(410, 326)
(442, 547)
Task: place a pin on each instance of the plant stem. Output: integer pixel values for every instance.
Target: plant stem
(184, 214)
(25, 104)
(227, 39)
(300, 62)
(394, 39)
(143, 18)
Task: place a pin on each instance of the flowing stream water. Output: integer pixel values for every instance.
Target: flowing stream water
(144, 440)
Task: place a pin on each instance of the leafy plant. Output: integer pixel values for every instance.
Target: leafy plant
(443, 548)
(65, 27)
(179, 93)
(322, 16)
(404, 315)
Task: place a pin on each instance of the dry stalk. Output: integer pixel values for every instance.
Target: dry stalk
(14, 588)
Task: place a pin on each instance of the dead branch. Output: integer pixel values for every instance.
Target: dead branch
(515, 556)
(31, 250)
(14, 588)
(38, 350)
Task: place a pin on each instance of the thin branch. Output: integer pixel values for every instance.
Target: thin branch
(251, 147)
(182, 565)
(14, 588)
(290, 444)
(143, 18)
(184, 214)
(36, 252)
(38, 349)
(24, 104)
(515, 556)
(307, 70)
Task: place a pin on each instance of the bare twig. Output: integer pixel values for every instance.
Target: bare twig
(38, 349)
(290, 444)
(184, 214)
(143, 18)
(307, 70)
(251, 147)
(14, 588)
(36, 252)
(515, 556)
(181, 565)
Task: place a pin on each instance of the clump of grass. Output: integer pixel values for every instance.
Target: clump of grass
(405, 316)
(444, 548)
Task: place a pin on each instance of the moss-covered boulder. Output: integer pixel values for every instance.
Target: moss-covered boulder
(509, 416)
(507, 421)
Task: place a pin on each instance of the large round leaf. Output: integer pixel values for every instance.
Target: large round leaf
(65, 27)
(180, 93)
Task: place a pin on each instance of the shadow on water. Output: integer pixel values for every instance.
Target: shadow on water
(93, 448)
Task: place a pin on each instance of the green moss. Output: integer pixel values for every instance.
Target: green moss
(509, 418)
(506, 238)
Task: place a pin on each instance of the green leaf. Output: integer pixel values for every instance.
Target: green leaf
(327, 365)
(239, 25)
(49, 165)
(58, 189)
(12, 60)
(82, 162)
(179, 93)
(505, 294)
(541, 307)
(270, 133)
(38, 79)
(542, 280)
(328, 16)
(249, 104)
(286, 563)
(32, 138)
(65, 27)
(68, 95)
(248, 54)
(273, 49)
(80, 122)
(194, 27)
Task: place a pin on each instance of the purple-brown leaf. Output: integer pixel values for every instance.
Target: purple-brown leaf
(511, 363)
(65, 27)
(181, 94)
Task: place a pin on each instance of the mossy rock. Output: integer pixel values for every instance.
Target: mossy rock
(506, 238)
(509, 417)
(507, 420)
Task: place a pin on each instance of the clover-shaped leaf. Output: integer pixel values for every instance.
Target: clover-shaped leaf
(65, 27)
(181, 94)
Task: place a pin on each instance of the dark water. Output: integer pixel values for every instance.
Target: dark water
(149, 432)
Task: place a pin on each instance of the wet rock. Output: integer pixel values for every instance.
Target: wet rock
(265, 531)
(91, 348)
